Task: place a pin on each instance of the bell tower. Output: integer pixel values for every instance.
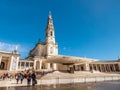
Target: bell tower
(50, 37)
(51, 46)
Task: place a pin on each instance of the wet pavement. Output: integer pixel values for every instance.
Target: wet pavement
(113, 85)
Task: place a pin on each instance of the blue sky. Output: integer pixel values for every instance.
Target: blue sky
(85, 28)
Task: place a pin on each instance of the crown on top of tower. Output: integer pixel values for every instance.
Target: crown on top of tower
(50, 37)
(50, 15)
(50, 21)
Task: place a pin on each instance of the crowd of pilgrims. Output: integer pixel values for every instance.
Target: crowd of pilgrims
(30, 76)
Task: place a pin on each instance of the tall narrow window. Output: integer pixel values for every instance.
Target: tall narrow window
(51, 33)
(51, 50)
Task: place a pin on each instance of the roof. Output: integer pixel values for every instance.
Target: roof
(67, 59)
(104, 62)
(7, 52)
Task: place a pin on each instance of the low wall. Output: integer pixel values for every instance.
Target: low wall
(57, 80)
(77, 80)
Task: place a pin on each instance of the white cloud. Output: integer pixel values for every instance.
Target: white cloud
(6, 46)
(22, 49)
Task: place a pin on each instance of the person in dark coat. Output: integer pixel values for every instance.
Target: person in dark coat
(18, 77)
(21, 77)
(34, 81)
(29, 79)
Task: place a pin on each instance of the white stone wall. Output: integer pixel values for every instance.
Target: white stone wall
(58, 80)
(62, 67)
(14, 60)
(52, 49)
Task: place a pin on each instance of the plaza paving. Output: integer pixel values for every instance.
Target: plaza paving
(7, 82)
(61, 75)
(114, 85)
(77, 74)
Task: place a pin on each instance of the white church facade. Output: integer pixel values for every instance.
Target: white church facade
(44, 57)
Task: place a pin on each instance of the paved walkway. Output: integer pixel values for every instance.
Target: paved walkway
(5, 83)
(61, 75)
(77, 74)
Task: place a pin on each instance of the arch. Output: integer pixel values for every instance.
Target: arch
(43, 66)
(2, 66)
(51, 33)
(37, 65)
(51, 65)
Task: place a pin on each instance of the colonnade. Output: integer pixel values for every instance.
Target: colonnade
(79, 67)
(105, 67)
(37, 65)
(98, 67)
(25, 65)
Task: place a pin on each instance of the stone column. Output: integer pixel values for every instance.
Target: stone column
(34, 65)
(114, 68)
(109, 67)
(119, 66)
(105, 67)
(40, 64)
(48, 66)
(11, 61)
(87, 67)
(100, 67)
(0, 59)
(96, 67)
(17, 63)
(20, 65)
(79, 68)
(54, 66)
(92, 67)
(24, 65)
(29, 64)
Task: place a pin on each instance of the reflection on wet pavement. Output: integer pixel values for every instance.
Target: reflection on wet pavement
(89, 86)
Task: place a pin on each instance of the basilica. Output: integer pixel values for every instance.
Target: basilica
(44, 57)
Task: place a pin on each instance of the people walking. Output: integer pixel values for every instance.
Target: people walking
(10, 77)
(29, 79)
(21, 77)
(34, 81)
(18, 77)
(4, 76)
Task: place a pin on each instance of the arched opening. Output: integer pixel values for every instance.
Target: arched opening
(2, 66)
(82, 68)
(51, 33)
(90, 67)
(37, 65)
(43, 65)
